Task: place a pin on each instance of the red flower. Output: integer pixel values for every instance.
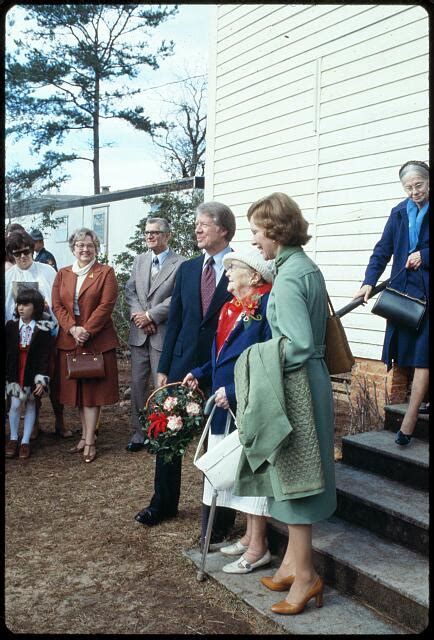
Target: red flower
(158, 424)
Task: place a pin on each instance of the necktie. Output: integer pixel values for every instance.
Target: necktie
(207, 285)
(26, 335)
(155, 268)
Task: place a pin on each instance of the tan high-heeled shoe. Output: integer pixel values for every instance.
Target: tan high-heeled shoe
(281, 585)
(288, 608)
(77, 449)
(89, 456)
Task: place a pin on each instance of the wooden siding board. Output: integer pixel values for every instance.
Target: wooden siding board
(392, 159)
(371, 119)
(280, 108)
(371, 22)
(257, 97)
(245, 137)
(391, 141)
(254, 24)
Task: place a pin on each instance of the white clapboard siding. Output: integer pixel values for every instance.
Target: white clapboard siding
(339, 36)
(324, 102)
(391, 159)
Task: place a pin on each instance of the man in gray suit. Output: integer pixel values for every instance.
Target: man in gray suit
(148, 293)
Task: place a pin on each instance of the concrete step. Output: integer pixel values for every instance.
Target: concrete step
(376, 451)
(388, 508)
(340, 615)
(381, 574)
(393, 415)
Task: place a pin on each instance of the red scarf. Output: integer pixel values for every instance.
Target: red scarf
(232, 311)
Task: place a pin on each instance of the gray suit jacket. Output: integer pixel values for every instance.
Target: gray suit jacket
(141, 295)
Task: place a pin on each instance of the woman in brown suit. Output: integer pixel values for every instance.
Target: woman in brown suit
(83, 299)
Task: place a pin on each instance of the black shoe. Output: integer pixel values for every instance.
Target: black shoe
(402, 439)
(132, 447)
(149, 517)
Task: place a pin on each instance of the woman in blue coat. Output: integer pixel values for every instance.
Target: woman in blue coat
(242, 322)
(406, 237)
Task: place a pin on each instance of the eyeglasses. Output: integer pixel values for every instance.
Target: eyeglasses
(81, 246)
(153, 233)
(22, 252)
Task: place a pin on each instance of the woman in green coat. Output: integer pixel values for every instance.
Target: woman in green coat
(297, 310)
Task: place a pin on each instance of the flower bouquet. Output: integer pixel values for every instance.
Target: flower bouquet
(172, 415)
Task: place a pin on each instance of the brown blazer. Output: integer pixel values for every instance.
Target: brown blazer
(96, 301)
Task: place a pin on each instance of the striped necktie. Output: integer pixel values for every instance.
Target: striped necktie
(207, 285)
(155, 267)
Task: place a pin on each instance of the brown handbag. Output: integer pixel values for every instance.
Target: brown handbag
(85, 364)
(338, 356)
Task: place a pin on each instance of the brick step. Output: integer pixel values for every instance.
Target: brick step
(358, 563)
(376, 451)
(385, 507)
(393, 415)
(340, 615)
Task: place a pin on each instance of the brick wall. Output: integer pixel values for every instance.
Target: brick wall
(389, 387)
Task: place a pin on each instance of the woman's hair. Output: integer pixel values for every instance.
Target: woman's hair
(281, 219)
(27, 295)
(221, 215)
(13, 226)
(80, 234)
(18, 240)
(414, 166)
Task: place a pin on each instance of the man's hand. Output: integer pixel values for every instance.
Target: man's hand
(414, 261)
(150, 329)
(190, 381)
(161, 379)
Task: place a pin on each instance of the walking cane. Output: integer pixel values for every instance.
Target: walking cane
(201, 573)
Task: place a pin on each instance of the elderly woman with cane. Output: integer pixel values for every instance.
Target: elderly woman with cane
(242, 322)
(406, 238)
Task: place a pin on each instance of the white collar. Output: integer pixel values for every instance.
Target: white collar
(31, 324)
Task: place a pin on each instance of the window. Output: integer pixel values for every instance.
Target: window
(60, 233)
(99, 223)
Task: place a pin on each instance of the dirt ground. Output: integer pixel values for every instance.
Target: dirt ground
(78, 563)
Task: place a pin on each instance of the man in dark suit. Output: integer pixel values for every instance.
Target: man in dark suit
(42, 255)
(148, 293)
(200, 292)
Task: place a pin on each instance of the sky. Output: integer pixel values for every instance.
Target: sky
(132, 160)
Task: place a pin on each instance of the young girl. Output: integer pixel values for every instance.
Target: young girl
(28, 345)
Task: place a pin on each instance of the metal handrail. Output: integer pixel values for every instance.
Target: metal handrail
(359, 301)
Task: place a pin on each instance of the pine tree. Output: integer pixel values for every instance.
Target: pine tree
(67, 73)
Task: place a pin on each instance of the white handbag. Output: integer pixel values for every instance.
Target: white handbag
(220, 463)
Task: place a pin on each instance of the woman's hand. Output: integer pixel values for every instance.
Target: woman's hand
(190, 381)
(79, 334)
(364, 291)
(221, 399)
(414, 261)
(38, 390)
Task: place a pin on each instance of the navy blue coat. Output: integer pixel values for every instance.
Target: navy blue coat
(407, 348)
(189, 337)
(221, 368)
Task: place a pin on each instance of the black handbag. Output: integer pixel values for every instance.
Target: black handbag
(400, 308)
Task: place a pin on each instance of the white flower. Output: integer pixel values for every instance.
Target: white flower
(192, 408)
(174, 423)
(169, 403)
